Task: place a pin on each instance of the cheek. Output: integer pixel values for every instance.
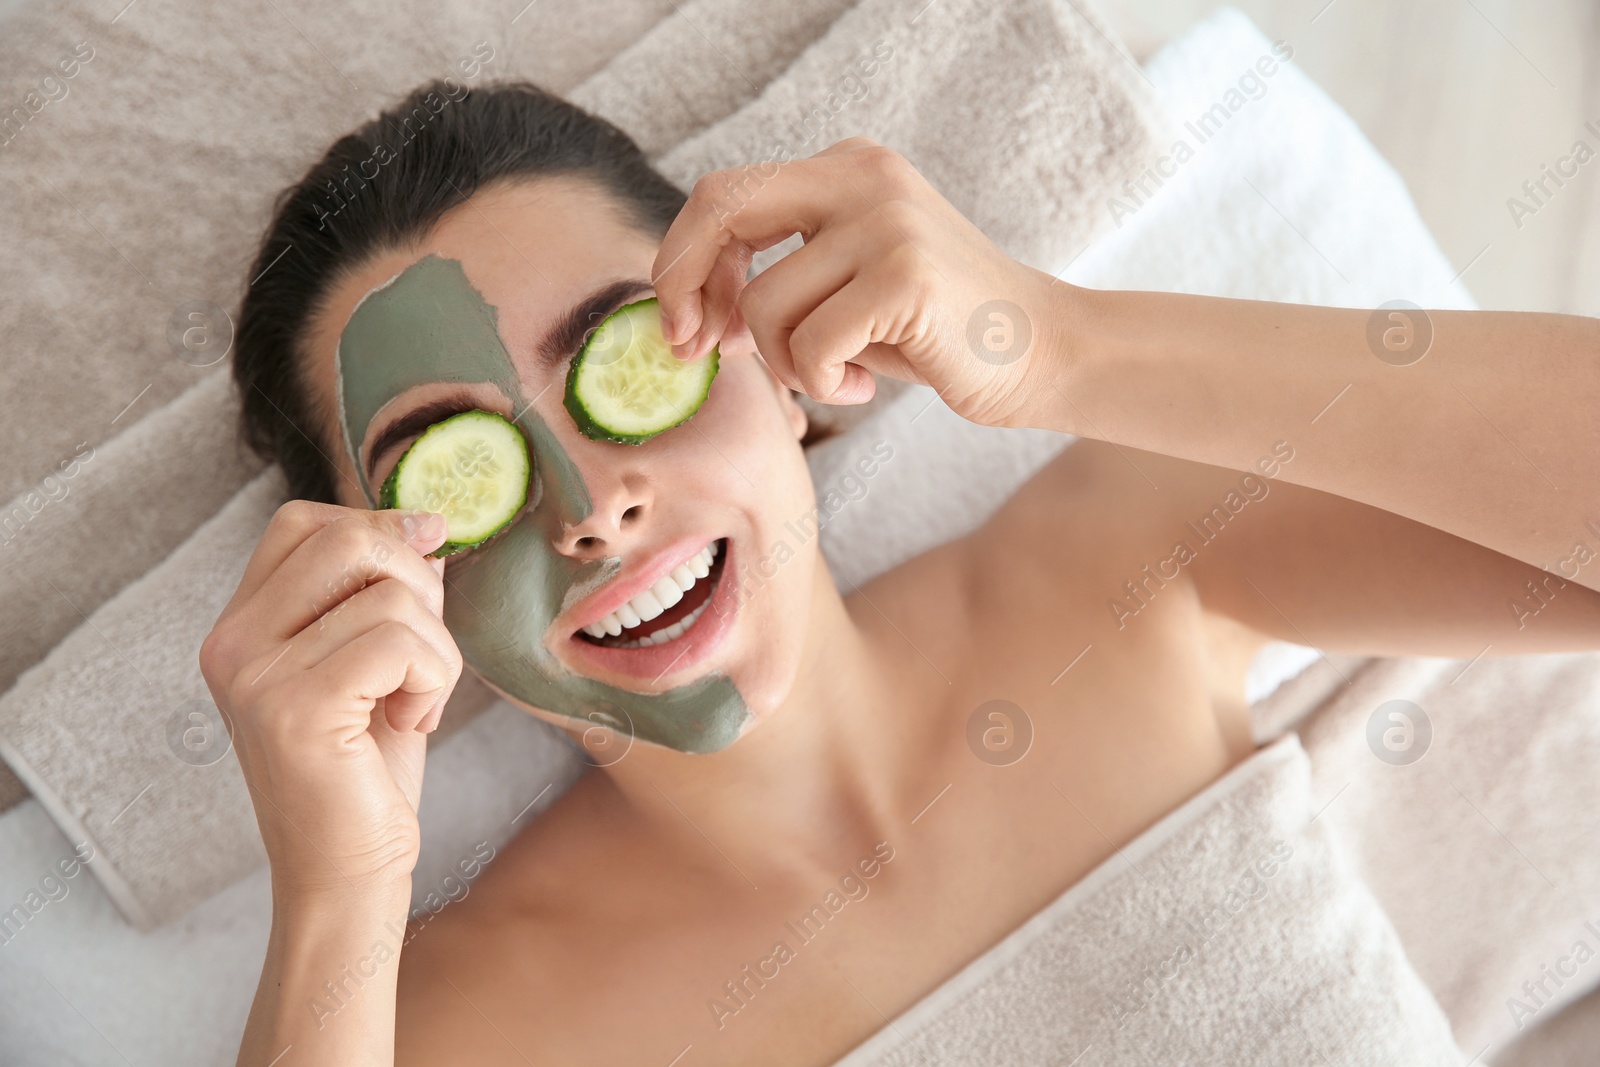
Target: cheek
(754, 464)
(746, 432)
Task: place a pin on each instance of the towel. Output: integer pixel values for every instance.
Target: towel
(86, 727)
(1233, 931)
(1515, 739)
(178, 994)
(141, 181)
(1481, 777)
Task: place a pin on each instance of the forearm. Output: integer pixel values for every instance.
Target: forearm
(1494, 435)
(328, 985)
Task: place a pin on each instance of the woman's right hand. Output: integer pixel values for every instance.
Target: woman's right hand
(338, 616)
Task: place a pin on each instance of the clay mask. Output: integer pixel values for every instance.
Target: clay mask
(429, 324)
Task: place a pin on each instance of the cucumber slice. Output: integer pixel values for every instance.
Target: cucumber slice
(626, 386)
(472, 468)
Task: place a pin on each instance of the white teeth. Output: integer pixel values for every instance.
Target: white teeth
(647, 605)
(667, 591)
(670, 633)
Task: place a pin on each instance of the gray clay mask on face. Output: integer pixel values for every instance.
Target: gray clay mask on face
(429, 325)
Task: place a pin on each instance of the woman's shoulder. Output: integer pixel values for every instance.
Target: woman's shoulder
(518, 932)
(1066, 557)
(1054, 623)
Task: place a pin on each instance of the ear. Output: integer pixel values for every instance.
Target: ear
(737, 338)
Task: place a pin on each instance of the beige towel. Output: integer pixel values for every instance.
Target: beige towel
(1483, 850)
(146, 185)
(1231, 932)
(1022, 114)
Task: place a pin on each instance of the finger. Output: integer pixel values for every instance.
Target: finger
(849, 144)
(718, 296)
(842, 330)
(754, 203)
(383, 601)
(405, 753)
(722, 288)
(828, 347)
(431, 722)
(389, 663)
(297, 520)
(780, 298)
(737, 337)
(334, 563)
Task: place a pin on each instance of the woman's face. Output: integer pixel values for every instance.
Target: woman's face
(486, 313)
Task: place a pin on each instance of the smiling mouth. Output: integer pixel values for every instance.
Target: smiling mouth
(665, 611)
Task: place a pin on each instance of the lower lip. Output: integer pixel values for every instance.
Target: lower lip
(687, 650)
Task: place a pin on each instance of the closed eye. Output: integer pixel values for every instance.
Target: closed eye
(402, 431)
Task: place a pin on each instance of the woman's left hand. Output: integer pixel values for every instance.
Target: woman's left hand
(892, 280)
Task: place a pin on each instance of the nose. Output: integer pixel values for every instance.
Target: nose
(619, 503)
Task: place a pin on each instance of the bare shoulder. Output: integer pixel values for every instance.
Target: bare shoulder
(1029, 620)
(507, 944)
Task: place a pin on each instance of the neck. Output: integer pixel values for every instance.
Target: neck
(803, 792)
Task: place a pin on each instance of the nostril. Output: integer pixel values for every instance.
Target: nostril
(635, 512)
(588, 542)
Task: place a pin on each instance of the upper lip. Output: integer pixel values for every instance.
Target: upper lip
(633, 581)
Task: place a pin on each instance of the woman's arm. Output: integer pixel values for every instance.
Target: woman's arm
(1289, 562)
(331, 664)
(327, 990)
(1493, 435)
(1490, 434)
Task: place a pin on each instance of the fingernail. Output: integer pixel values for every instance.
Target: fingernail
(426, 525)
(430, 721)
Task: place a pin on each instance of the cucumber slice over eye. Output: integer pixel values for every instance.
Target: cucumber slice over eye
(472, 468)
(626, 386)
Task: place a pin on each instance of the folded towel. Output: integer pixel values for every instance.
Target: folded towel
(140, 181)
(1027, 140)
(1466, 794)
(178, 995)
(1237, 906)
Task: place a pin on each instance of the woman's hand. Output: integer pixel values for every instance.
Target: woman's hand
(892, 280)
(337, 615)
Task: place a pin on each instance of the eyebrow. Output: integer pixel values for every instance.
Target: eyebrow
(567, 336)
(418, 419)
(559, 342)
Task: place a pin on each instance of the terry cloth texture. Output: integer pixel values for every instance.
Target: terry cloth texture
(1233, 931)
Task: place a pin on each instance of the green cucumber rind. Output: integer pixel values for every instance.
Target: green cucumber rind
(592, 428)
(388, 493)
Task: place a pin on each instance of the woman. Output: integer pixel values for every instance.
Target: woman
(792, 740)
